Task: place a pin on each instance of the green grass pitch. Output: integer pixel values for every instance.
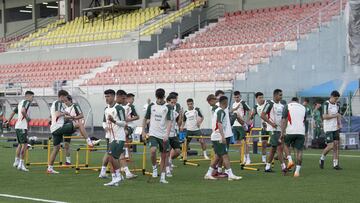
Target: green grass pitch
(187, 185)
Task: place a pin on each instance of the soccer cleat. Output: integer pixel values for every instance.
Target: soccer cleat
(284, 171)
(103, 175)
(321, 162)
(248, 161)
(337, 167)
(95, 142)
(15, 164)
(22, 168)
(268, 170)
(168, 174)
(130, 176)
(52, 171)
(234, 177)
(155, 173)
(112, 183)
(164, 181)
(296, 174)
(209, 177)
(290, 165)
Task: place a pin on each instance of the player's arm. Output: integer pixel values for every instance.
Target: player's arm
(199, 122)
(235, 109)
(220, 118)
(169, 118)
(284, 121)
(146, 120)
(326, 115)
(58, 112)
(253, 113)
(79, 113)
(339, 118)
(120, 112)
(265, 111)
(182, 126)
(15, 111)
(134, 115)
(239, 118)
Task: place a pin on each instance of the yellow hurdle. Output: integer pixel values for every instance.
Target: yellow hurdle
(87, 166)
(192, 162)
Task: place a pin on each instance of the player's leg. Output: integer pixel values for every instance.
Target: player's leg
(105, 161)
(53, 155)
(82, 130)
(22, 140)
(153, 147)
(280, 152)
(289, 141)
(212, 168)
(17, 156)
(306, 133)
(273, 144)
(222, 150)
(67, 151)
(299, 146)
(330, 145)
(116, 149)
(264, 143)
(124, 166)
(336, 150)
(164, 149)
(246, 145)
(203, 147)
(174, 153)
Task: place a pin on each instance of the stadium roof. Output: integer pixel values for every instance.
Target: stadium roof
(324, 89)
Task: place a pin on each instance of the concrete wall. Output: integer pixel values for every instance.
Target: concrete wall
(318, 59)
(118, 51)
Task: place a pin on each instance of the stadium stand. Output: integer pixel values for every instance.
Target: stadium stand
(43, 73)
(209, 55)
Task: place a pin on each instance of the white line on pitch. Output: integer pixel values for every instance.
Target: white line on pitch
(341, 155)
(29, 198)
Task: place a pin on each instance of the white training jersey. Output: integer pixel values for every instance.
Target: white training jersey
(159, 115)
(331, 109)
(173, 124)
(132, 112)
(241, 111)
(56, 122)
(191, 119)
(295, 114)
(274, 112)
(22, 123)
(74, 110)
(220, 116)
(116, 131)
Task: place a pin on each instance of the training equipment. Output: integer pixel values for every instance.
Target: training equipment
(193, 162)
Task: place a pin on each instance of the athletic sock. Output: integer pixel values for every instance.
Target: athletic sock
(168, 169)
(50, 167)
(263, 158)
(219, 169)
(21, 162)
(117, 173)
(204, 153)
(335, 162)
(247, 157)
(103, 169)
(68, 159)
(162, 177)
(210, 171)
(322, 157)
(229, 172)
(17, 159)
(289, 158)
(170, 161)
(113, 175)
(154, 167)
(268, 166)
(127, 171)
(126, 152)
(297, 170)
(283, 166)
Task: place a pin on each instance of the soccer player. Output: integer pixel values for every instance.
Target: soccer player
(114, 125)
(221, 126)
(272, 115)
(75, 114)
(240, 108)
(160, 116)
(21, 129)
(121, 99)
(307, 121)
(192, 120)
(133, 115)
(59, 128)
(332, 126)
(173, 138)
(258, 108)
(317, 120)
(293, 128)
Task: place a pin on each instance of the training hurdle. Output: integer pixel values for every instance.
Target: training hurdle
(57, 164)
(192, 162)
(86, 166)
